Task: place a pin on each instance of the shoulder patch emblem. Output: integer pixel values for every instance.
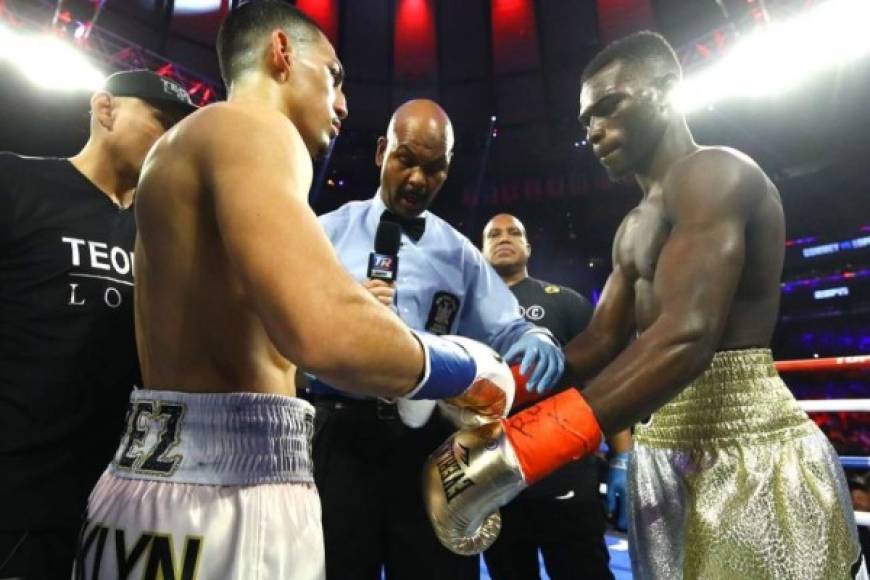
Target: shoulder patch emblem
(445, 307)
(552, 289)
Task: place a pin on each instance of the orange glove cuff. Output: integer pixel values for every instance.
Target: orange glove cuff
(553, 432)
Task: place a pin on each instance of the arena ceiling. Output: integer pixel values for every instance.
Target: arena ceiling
(518, 61)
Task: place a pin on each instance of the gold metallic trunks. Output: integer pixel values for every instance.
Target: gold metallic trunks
(732, 480)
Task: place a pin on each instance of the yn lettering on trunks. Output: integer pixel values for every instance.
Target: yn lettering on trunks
(102, 546)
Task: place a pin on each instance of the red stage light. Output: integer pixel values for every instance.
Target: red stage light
(414, 43)
(324, 13)
(514, 35)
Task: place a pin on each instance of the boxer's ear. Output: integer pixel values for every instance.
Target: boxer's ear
(281, 55)
(664, 87)
(103, 109)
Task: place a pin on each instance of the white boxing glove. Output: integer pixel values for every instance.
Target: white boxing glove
(490, 396)
(472, 383)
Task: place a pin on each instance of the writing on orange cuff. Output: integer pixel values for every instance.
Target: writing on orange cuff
(551, 433)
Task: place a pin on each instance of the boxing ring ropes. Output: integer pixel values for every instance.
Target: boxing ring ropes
(834, 364)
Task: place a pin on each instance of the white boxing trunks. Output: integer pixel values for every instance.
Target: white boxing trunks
(207, 486)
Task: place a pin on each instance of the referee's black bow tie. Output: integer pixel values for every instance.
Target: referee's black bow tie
(413, 227)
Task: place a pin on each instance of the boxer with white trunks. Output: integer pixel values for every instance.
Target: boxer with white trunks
(237, 287)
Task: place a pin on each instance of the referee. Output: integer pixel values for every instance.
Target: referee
(67, 344)
(368, 454)
(562, 514)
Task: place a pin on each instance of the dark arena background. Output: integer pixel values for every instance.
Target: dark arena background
(786, 81)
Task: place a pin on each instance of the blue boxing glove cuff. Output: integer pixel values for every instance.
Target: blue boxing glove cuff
(449, 371)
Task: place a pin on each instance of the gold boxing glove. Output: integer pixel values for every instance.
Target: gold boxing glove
(465, 481)
(480, 469)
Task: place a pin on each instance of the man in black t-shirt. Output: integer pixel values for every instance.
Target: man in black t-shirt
(67, 344)
(562, 514)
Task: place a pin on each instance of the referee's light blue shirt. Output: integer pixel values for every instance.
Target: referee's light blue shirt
(441, 261)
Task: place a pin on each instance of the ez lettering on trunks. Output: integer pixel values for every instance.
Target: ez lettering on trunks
(97, 257)
(156, 549)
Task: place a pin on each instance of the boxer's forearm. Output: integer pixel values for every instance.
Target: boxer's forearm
(647, 374)
(587, 354)
(369, 352)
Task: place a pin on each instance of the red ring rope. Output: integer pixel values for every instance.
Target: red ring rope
(823, 364)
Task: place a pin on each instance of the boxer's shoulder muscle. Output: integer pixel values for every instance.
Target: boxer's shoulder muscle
(711, 181)
(260, 142)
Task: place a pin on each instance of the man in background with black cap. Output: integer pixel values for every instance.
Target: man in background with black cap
(67, 345)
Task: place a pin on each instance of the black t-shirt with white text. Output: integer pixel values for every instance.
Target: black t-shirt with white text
(560, 310)
(67, 344)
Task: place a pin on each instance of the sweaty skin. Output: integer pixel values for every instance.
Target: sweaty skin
(696, 265)
(236, 282)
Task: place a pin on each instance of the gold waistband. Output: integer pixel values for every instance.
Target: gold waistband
(739, 399)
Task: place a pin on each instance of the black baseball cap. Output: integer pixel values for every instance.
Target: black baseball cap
(149, 86)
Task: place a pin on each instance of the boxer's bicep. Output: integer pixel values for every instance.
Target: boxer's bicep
(695, 279)
(276, 247)
(701, 263)
(697, 275)
(614, 313)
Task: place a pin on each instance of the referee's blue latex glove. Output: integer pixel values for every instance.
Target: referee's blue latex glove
(538, 350)
(617, 490)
